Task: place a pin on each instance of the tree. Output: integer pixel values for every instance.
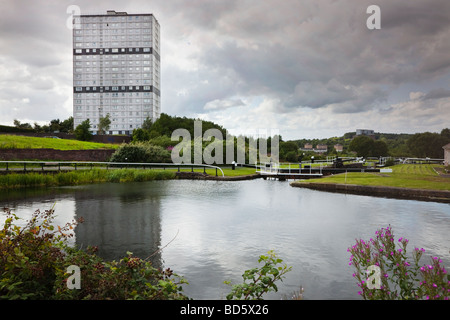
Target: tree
(82, 131)
(166, 124)
(380, 149)
(140, 135)
(445, 133)
(55, 125)
(67, 125)
(427, 144)
(362, 145)
(17, 124)
(147, 124)
(288, 150)
(37, 127)
(104, 124)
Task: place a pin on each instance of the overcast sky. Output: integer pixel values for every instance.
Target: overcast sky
(304, 68)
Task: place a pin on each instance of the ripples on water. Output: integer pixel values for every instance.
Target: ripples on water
(217, 230)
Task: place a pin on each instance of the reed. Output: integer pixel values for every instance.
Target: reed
(35, 179)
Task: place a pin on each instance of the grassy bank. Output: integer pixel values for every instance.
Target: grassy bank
(32, 179)
(412, 176)
(79, 177)
(228, 172)
(23, 142)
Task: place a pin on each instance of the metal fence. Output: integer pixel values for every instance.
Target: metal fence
(47, 166)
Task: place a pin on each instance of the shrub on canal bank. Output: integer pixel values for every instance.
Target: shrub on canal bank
(141, 152)
(33, 179)
(35, 263)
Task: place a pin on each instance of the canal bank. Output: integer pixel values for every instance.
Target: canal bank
(379, 191)
(406, 181)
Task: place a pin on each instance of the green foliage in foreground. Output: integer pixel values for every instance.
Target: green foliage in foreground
(258, 281)
(397, 275)
(35, 260)
(19, 180)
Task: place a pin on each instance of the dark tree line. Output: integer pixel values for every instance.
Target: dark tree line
(54, 125)
(420, 145)
(429, 144)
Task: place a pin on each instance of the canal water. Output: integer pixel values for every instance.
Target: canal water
(212, 231)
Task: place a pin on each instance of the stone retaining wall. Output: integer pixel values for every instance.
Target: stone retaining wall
(380, 191)
(57, 155)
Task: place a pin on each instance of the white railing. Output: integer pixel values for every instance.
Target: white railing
(272, 168)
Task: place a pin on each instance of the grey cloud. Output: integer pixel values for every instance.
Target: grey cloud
(423, 17)
(330, 41)
(314, 94)
(314, 53)
(437, 94)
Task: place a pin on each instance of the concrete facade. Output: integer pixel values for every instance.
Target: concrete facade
(116, 70)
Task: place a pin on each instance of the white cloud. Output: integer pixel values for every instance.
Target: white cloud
(223, 104)
(416, 95)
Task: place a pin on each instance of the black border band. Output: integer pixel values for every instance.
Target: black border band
(102, 89)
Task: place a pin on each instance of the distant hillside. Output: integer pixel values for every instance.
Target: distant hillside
(397, 143)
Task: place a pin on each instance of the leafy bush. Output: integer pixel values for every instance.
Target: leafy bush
(399, 277)
(141, 152)
(35, 258)
(129, 278)
(129, 153)
(30, 255)
(258, 281)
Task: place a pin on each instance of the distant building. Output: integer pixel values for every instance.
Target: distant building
(116, 70)
(446, 154)
(365, 132)
(321, 148)
(338, 147)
